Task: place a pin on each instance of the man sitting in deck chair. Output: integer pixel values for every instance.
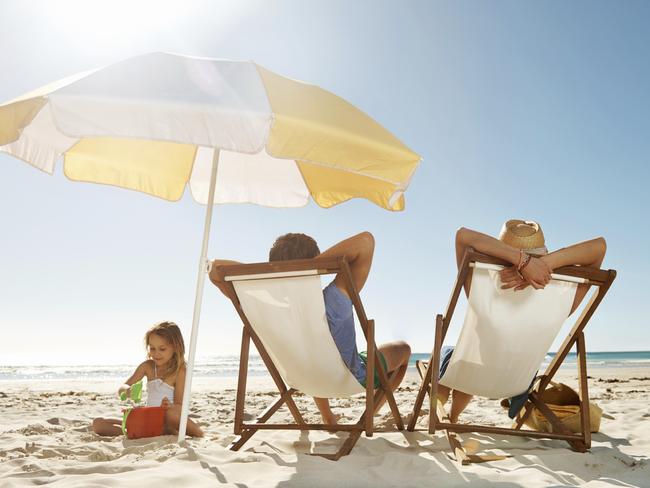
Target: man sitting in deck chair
(522, 244)
(358, 250)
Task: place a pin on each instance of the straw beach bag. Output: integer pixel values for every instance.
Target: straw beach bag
(564, 402)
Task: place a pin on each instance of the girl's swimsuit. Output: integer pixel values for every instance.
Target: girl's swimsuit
(157, 389)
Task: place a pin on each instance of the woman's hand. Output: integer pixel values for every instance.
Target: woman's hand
(510, 278)
(537, 273)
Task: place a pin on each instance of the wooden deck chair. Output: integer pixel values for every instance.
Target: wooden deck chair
(283, 312)
(502, 345)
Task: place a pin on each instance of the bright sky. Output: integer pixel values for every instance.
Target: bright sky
(520, 109)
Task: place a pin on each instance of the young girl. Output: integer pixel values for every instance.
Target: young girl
(165, 372)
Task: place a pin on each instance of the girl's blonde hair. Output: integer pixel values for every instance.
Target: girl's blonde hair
(170, 332)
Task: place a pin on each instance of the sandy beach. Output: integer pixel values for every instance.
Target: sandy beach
(45, 438)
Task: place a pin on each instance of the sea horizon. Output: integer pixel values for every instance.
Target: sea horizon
(227, 365)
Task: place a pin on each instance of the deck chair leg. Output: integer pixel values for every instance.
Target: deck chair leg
(246, 434)
(585, 421)
(394, 410)
(425, 386)
(434, 366)
(373, 398)
(346, 447)
(352, 439)
(541, 381)
(241, 384)
(578, 328)
(459, 452)
(276, 377)
(521, 419)
(422, 393)
(293, 408)
(241, 439)
(350, 442)
(556, 423)
(390, 398)
(370, 378)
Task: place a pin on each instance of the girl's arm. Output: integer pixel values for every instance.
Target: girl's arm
(137, 375)
(179, 387)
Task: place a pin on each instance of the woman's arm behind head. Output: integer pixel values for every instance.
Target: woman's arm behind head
(588, 253)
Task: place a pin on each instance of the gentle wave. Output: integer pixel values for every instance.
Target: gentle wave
(626, 359)
(228, 366)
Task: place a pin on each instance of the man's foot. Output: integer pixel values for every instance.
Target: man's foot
(332, 419)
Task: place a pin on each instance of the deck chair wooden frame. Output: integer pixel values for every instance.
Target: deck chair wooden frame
(602, 279)
(245, 430)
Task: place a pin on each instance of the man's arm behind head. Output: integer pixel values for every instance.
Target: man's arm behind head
(358, 250)
(216, 277)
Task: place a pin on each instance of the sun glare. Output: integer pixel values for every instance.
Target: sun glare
(145, 24)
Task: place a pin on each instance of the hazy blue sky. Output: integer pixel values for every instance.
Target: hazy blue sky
(534, 110)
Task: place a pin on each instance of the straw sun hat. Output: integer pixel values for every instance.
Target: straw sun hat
(523, 234)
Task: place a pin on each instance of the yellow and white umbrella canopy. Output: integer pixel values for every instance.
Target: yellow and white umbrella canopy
(151, 124)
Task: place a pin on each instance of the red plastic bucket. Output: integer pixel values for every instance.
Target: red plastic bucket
(145, 422)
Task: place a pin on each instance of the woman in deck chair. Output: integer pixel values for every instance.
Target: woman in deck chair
(522, 244)
(358, 250)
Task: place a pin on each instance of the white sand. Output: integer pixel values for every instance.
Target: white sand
(45, 437)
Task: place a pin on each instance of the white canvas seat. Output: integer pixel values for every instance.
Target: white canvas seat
(506, 334)
(288, 315)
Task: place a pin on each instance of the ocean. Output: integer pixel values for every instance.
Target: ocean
(227, 366)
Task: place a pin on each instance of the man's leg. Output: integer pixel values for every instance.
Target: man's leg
(323, 405)
(397, 356)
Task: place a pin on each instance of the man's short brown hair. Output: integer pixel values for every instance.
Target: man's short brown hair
(293, 246)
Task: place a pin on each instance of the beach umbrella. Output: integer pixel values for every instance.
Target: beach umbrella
(156, 122)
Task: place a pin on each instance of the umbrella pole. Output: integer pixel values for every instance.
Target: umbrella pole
(198, 300)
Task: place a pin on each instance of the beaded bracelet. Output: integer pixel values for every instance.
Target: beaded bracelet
(519, 262)
(524, 262)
